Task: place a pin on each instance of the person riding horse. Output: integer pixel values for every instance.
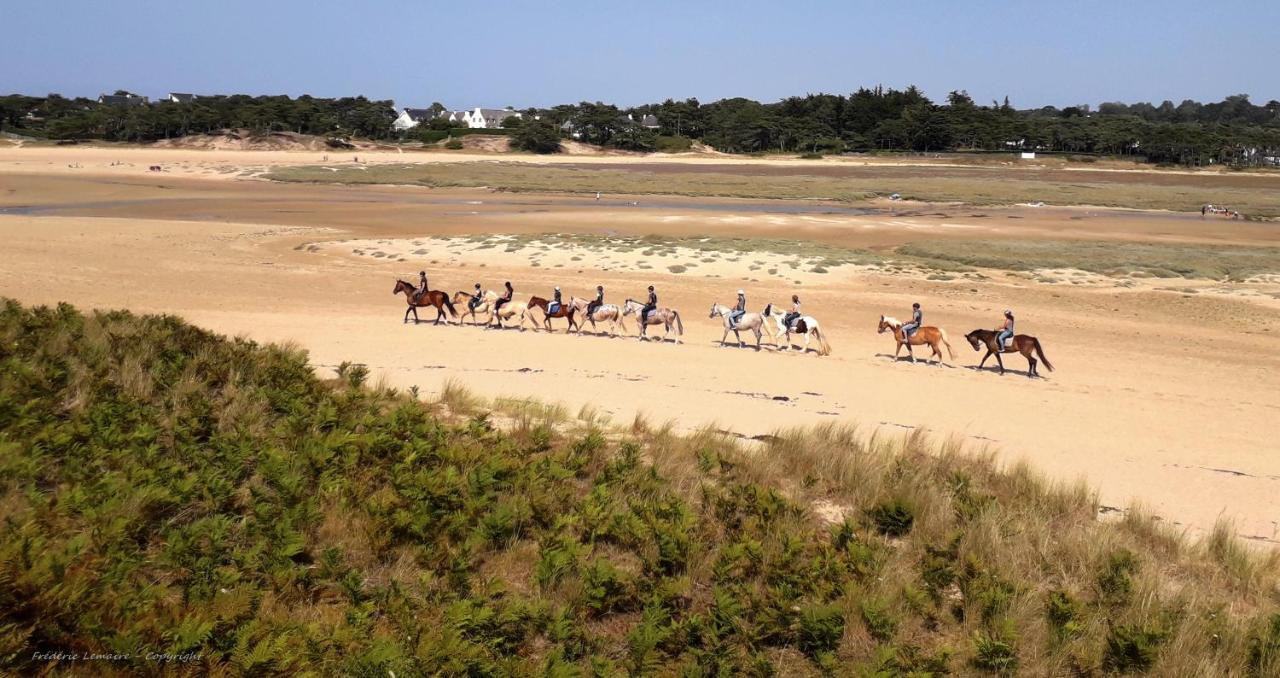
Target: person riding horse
(476, 298)
(505, 298)
(649, 306)
(739, 310)
(554, 306)
(1005, 331)
(597, 302)
(422, 286)
(790, 319)
(917, 319)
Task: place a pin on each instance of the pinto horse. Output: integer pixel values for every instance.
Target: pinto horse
(1020, 343)
(603, 312)
(805, 325)
(436, 298)
(934, 337)
(565, 311)
(667, 317)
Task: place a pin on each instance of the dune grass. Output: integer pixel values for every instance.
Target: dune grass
(931, 184)
(1161, 260)
(163, 489)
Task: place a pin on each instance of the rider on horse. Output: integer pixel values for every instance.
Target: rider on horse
(597, 302)
(790, 319)
(917, 319)
(505, 298)
(1005, 331)
(422, 286)
(739, 310)
(554, 306)
(649, 306)
(476, 298)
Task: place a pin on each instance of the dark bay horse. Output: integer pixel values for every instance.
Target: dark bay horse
(565, 311)
(436, 298)
(1020, 343)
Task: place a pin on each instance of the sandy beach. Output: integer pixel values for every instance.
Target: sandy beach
(1164, 393)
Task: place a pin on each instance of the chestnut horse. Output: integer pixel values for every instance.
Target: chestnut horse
(565, 311)
(931, 336)
(1020, 343)
(436, 298)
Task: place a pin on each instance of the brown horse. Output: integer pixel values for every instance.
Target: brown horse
(436, 298)
(1021, 343)
(565, 311)
(934, 337)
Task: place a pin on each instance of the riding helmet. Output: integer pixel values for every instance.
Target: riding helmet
(740, 292)
(422, 272)
(651, 288)
(916, 305)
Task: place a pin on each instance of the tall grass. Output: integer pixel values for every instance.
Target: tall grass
(163, 489)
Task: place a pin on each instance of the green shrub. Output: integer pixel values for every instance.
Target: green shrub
(606, 589)
(1115, 582)
(996, 651)
(673, 144)
(821, 627)
(810, 156)
(453, 144)
(1133, 648)
(1064, 613)
(880, 621)
(892, 518)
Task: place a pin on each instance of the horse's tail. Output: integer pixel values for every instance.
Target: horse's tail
(680, 325)
(449, 305)
(1040, 353)
(822, 339)
(946, 343)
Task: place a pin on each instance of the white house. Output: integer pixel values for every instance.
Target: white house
(410, 118)
(478, 118)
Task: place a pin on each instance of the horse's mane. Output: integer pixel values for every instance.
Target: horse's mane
(893, 322)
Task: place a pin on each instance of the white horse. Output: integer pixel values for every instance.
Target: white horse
(748, 321)
(668, 317)
(805, 324)
(603, 312)
(510, 310)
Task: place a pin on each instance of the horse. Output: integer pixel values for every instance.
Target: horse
(667, 317)
(436, 298)
(565, 311)
(932, 336)
(603, 312)
(748, 321)
(1020, 343)
(805, 324)
(510, 310)
(485, 306)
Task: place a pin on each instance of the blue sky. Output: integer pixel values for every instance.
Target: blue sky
(495, 53)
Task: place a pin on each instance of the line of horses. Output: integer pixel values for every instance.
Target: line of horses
(771, 321)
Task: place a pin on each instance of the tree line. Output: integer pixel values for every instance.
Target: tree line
(58, 117)
(1234, 131)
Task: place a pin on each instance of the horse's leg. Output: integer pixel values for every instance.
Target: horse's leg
(1000, 361)
(724, 336)
(406, 314)
(1031, 363)
(910, 354)
(984, 358)
(805, 350)
(898, 349)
